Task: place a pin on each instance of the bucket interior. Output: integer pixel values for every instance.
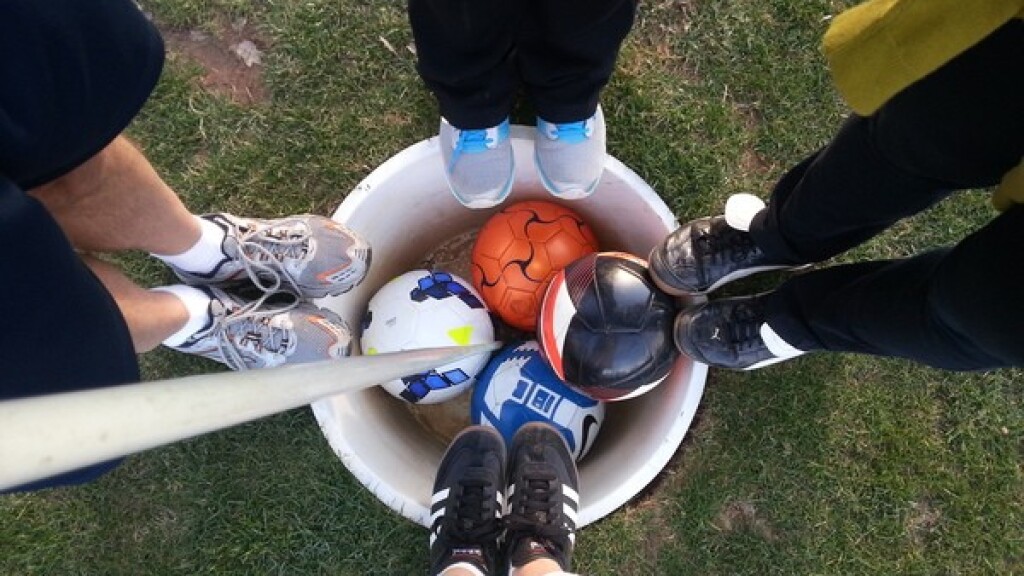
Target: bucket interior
(405, 211)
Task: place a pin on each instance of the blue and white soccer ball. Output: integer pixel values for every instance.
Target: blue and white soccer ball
(519, 386)
(425, 309)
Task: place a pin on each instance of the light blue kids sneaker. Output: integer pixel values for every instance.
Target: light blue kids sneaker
(478, 164)
(570, 157)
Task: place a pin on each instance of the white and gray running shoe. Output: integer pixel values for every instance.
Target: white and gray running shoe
(570, 156)
(310, 255)
(478, 164)
(246, 334)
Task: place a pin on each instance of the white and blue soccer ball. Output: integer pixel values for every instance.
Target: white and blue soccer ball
(428, 309)
(519, 386)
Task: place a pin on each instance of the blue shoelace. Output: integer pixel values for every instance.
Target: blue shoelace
(570, 132)
(473, 141)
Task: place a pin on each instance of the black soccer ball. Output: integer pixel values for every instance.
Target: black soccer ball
(605, 327)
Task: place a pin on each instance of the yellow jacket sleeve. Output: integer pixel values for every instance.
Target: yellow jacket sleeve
(879, 47)
(1011, 190)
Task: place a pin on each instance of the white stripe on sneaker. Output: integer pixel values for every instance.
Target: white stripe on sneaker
(781, 349)
(438, 496)
(437, 514)
(572, 494)
(570, 512)
(776, 345)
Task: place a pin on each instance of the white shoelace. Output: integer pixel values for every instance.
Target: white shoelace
(252, 321)
(269, 252)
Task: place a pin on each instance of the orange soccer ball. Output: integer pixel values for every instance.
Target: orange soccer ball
(519, 250)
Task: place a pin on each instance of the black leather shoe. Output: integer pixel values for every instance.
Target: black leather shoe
(731, 333)
(706, 253)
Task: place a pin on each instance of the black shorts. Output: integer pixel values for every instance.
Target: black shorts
(73, 74)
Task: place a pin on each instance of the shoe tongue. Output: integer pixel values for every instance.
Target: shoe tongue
(529, 549)
(478, 484)
(476, 480)
(535, 469)
(217, 308)
(477, 473)
(473, 555)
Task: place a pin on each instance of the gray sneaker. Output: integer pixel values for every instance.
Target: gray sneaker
(310, 255)
(246, 334)
(570, 157)
(478, 164)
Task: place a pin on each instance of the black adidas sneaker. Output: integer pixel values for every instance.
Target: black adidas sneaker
(543, 497)
(467, 501)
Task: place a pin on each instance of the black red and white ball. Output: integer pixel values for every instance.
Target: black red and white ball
(606, 329)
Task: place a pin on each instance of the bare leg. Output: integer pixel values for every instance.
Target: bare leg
(116, 201)
(151, 316)
(539, 567)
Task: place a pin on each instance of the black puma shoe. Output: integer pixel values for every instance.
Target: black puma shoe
(731, 333)
(706, 253)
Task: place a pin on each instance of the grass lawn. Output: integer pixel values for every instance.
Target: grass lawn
(829, 464)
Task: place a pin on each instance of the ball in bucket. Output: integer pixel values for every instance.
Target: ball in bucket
(519, 250)
(425, 309)
(518, 386)
(605, 327)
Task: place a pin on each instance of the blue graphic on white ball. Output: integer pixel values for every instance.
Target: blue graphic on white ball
(518, 386)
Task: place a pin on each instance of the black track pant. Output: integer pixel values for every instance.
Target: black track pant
(475, 54)
(958, 307)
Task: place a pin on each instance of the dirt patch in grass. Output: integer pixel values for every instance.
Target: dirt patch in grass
(230, 57)
(922, 520)
(740, 515)
(752, 163)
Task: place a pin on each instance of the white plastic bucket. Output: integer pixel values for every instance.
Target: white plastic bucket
(405, 211)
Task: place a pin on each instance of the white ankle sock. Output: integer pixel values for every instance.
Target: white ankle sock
(204, 255)
(197, 303)
(740, 210)
(465, 566)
